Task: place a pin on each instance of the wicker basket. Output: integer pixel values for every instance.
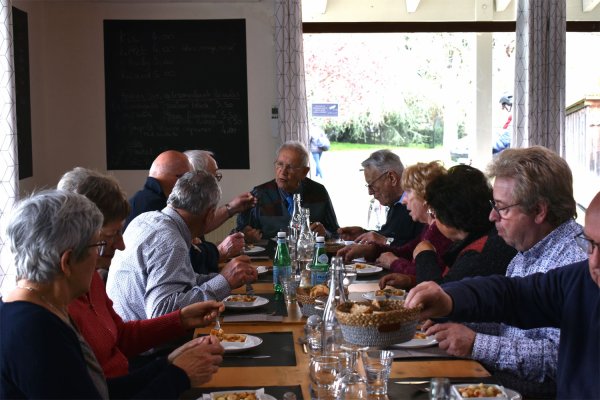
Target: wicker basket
(307, 304)
(395, 324)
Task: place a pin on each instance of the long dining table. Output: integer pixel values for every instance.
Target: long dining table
(408, 379)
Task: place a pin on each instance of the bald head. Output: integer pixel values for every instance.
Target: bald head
(592, 232)
(168, 167)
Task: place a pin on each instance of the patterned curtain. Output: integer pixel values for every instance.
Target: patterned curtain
(9, 177)
(291, 88)
(539, 108)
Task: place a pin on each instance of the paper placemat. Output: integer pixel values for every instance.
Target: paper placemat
(433, 351)
(252, 318)
(278, 345)
(275, 307)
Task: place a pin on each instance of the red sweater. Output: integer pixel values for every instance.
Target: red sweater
(113, 340)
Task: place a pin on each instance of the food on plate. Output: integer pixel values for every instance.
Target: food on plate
(420, 335)
(389, 292)
(233, 338)
(241, 298)
(361, 266)
(236, 396)
(480, 390)
(319, 291)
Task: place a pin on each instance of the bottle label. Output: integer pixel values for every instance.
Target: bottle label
(318, 277)
(323, 258)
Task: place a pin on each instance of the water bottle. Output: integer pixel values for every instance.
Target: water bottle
(332, 333)
(305, 246)
(320, 264)
(282, 264)
(294, 226)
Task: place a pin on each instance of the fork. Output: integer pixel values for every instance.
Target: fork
(217, 327)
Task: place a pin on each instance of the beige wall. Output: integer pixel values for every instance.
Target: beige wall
(67, 85)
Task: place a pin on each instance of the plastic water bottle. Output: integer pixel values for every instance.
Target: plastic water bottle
(320, 264)
(282, 264)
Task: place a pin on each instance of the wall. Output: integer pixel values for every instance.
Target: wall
(67, 85)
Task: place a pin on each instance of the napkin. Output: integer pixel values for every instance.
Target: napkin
(214, 395)
(252, 318)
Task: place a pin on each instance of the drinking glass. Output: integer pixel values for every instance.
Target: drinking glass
(289, 285)
(350, 384)
(377, 365)
(323, 371)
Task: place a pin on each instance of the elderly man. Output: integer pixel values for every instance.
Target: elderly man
(383, 172)
(534, 212)
(153, 275)
(567, 298)
(275, 198)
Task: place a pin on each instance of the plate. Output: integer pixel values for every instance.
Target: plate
(236, 347)
(417, 343)
(360, 260)
(260, 394)
(253, 250)
(260, 301)
(371, 296)
(261, 269)
(367, 269)
(510, 394)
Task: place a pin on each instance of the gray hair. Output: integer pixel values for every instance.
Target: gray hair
(298, 148)
(199, 158)
(195, 192)
(540, 175)
(72, 180)
(383, 161)
(44, 226)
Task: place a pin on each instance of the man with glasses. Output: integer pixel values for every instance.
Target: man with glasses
(567, 298)
(275, 198)
(534, 211)
(383, 172)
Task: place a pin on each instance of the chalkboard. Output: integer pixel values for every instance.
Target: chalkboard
(22, 94)
(175, 84)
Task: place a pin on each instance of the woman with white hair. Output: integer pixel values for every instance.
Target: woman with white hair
(55, 239)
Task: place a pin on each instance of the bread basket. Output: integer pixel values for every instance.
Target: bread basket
(308, 304)
(392, 324)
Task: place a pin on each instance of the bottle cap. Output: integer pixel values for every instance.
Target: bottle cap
(281, 235)
(320, 239)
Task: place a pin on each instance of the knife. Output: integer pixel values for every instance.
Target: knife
(228, 356)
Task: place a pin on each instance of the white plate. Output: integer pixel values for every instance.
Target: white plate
(260, 394)
(261, 269)
(254, 250)
(260, 301)
(510, 394)
(417, 343)
(235, 347)
(371, 296)
(368, 270)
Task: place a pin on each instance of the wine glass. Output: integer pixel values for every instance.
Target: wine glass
(323, 372)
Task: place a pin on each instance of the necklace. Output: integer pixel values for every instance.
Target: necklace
(61, 312)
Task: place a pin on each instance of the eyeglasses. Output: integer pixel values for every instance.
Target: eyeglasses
(502, 211)
(370, 185)
(218, 176)
(286, 167)
(585, 243)
(112, 237)
(100, 247)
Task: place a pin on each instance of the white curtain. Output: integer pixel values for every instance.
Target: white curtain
(539, 108)
(291, 88)
(9, 171)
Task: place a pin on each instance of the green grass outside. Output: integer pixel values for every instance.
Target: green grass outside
(343, 146)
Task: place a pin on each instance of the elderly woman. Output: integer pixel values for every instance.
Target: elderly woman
(399, 258)
(460, 203)
(112, 340)
(56, 241)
